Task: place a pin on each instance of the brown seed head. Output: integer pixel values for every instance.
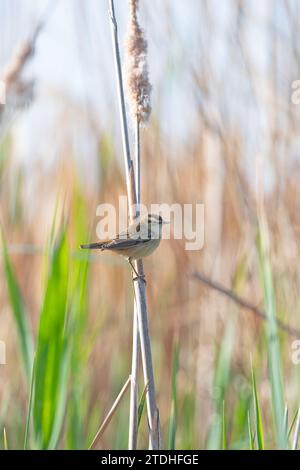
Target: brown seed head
(136, 69)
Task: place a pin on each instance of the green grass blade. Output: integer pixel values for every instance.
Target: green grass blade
(286, 422)
(239, 428)
(81, 343)
(76, 406)
(5, 444)
(221, 383)
(274, 354)
(53, 352)
(251, 440)
(24, 334)
(28, 419)
(141, 405)
(297, 432)
(224, 445)
(258, 419)
(292, 424)
(173, 414)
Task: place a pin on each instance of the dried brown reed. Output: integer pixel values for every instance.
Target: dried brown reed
(141, 327)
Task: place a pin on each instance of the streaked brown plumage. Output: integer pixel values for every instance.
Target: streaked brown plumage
(138, 241)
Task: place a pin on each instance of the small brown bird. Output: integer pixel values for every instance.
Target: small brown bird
(139, 240)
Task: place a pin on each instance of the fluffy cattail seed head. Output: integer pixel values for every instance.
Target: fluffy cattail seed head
(136, 69)
(18, 92)
(14, 68)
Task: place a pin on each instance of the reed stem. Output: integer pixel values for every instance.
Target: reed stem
(139, 286)
(134, 399)
(133, 415)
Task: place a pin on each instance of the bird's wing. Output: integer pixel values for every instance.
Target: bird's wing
(115, 244)
(128, 238)
(124, 243)
(93, 246)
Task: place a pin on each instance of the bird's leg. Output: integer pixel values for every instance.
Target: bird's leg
(138, 276)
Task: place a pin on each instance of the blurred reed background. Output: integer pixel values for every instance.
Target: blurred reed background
(223, 131)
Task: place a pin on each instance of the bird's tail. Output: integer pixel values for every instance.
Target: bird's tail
(92, 246)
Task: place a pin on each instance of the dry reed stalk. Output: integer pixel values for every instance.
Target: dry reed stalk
(109, 416)
(133, 411)
(138, 95)
(134, 397)
(16, 89)
(139, 286)
(243, 303)
(15, 86)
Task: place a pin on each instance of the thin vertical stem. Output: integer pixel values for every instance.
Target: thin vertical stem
(29, 405)
(133, 410)
(124, 127)
(139, 287)
(152, 410)
(133, 414)
(137, 164)
(297, 431)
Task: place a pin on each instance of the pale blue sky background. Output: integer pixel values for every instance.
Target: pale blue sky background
(73, 67)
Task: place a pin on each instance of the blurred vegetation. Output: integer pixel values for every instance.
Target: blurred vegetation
(225, 378)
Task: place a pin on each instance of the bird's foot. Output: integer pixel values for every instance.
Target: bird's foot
(139, 277)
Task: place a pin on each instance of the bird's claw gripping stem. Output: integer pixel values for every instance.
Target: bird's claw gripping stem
(142, 278)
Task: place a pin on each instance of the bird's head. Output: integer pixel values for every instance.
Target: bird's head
(155, 219)
(154, 223)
